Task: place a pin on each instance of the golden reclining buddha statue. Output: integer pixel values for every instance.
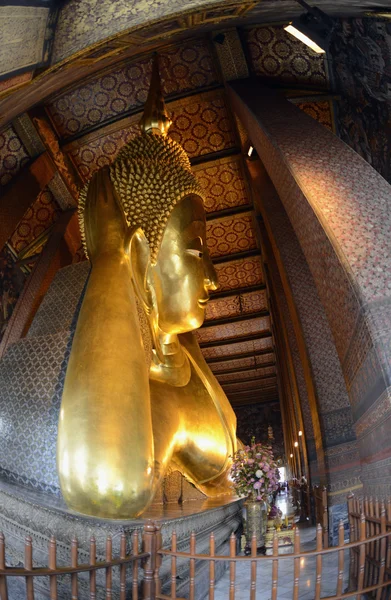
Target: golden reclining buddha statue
(138, 394)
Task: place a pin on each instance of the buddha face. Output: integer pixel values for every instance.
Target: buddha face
(184, 274)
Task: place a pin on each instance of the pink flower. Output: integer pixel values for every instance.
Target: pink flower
(250, 461)
(257, 485)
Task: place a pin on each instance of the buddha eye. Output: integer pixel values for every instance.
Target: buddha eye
(195, 247)
(195, 252)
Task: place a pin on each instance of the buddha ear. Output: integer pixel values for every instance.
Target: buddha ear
(137, 248)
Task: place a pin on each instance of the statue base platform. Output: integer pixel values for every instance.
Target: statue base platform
(25, 512)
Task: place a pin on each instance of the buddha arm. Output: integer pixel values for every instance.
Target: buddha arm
(105, 442)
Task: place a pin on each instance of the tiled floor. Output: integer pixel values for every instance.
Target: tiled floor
(285, 576)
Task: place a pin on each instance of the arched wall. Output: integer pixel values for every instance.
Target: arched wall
(297, 377)
(339, 208)
(291, 375)
(300, 303)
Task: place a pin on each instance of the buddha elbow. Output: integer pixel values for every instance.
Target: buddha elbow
(109, 496)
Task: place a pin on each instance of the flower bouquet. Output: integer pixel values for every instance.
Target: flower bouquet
(254, 472)
(255, 475)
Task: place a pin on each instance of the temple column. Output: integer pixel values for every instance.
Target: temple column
(338, 207)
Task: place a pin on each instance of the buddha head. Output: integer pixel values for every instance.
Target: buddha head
(162, 203)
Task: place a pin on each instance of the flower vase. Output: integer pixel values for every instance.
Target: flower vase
(256, 522)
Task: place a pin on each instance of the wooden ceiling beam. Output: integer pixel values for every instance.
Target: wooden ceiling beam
(236, 340)
(229, 212)
(236, 319)
(213, 156)
(254, 394)
(237, 291)
(225, 384)
(244, 369)
(251, 401)
(229, 357)
(265, 387)
(235, 256)
(266, 393)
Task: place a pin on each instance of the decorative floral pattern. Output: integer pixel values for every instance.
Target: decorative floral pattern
(232, 330)
(202, 125)
(242, 363)
(253, 301)
(221, 308)
(277, 54)
(35, 221)
(183, 68)
(320, 111)
(236, 305)
(239, 273)
(224, 184)
(230, 234)
(13, 155)
(101, 151)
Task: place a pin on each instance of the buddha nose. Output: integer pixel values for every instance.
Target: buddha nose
(211, 280)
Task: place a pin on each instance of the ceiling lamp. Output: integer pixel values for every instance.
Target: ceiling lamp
(251, 153)
(314, 28)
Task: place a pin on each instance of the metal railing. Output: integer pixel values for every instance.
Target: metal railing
(362, 566)
(29, 573)
(278, 561)
(319, 495)
(373, 564)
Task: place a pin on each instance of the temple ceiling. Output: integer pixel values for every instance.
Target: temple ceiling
(82, 125)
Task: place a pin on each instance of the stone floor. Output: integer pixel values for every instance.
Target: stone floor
(285, 575)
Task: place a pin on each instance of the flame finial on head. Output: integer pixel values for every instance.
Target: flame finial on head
(155, 118)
